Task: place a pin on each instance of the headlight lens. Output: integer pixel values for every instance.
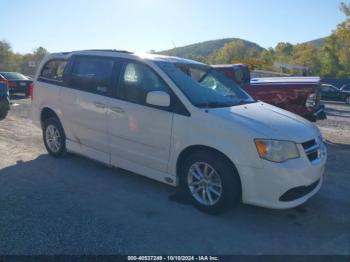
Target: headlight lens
(311, 100)
(276, 150)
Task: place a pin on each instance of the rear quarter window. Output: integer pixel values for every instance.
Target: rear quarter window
(53, 70)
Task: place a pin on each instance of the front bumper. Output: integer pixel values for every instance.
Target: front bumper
(268, 186)
(317, 114)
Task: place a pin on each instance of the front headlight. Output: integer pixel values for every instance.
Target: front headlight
(276, 150)
(311, 100)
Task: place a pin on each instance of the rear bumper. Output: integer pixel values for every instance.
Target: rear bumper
(19, 89)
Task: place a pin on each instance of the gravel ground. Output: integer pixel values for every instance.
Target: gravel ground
(76, 206)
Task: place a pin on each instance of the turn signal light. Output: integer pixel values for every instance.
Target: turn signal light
(261, 147)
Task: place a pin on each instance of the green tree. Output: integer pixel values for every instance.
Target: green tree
(335, 53)
(306, 55)
(329, 62)
(234, 52)
(33, 59)
(8, 60)
(283, 52)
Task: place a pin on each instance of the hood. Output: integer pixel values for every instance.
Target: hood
(269, 121)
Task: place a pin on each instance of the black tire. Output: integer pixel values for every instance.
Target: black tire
(3, 114)
(56, 124)
(231, 185)
(4, 109)
(347, 100)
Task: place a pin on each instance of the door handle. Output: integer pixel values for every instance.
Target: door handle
(99, 105)
(117, 109)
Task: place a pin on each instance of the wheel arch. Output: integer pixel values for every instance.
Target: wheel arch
(200, 148)
(47, 113)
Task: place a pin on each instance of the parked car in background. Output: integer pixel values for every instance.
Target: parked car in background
(17, 83)
(4, 100)
(345, 88)
(331, 93)
(180, 122)
(299, 95)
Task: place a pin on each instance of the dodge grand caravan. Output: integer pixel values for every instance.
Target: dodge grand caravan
(179, 122)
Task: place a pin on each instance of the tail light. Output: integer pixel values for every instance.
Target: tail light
(6, 82)
(31, 90)
(311, 100)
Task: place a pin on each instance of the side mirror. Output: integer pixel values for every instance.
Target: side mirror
(158, 98)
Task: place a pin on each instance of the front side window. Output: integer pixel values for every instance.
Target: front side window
(53, 70)
(325, 88)
(92, 74)
(137, 80)
(205, 86)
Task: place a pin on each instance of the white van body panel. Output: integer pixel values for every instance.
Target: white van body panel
(149, 141)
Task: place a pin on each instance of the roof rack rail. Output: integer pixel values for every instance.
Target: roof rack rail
(111, 50)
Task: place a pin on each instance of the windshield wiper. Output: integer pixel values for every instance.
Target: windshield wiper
(244, 101)
(214, 104)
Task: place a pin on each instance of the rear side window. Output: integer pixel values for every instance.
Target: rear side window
(92, 74)
(53, 70)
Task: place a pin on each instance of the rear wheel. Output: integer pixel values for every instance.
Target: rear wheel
(211, 182)
(54, 137)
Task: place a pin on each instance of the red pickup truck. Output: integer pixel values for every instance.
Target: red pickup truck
(299, 95)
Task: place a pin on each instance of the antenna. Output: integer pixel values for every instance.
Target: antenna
(173, 42)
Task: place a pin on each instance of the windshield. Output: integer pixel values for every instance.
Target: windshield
(205, 86)
(13, 76)
(346, 88)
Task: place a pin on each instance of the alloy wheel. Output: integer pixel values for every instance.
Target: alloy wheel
(204, 183)
(53, 138)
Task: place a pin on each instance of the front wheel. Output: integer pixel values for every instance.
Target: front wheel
(3, 114)
(54, 137)
(211, 182)
(4, 109)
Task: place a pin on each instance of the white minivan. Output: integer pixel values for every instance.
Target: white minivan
(179, 122)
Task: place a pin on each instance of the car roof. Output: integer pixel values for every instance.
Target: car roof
(127, 54)
(326, 84)
(4, 72)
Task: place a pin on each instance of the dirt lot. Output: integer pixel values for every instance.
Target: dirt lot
(76, 206)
